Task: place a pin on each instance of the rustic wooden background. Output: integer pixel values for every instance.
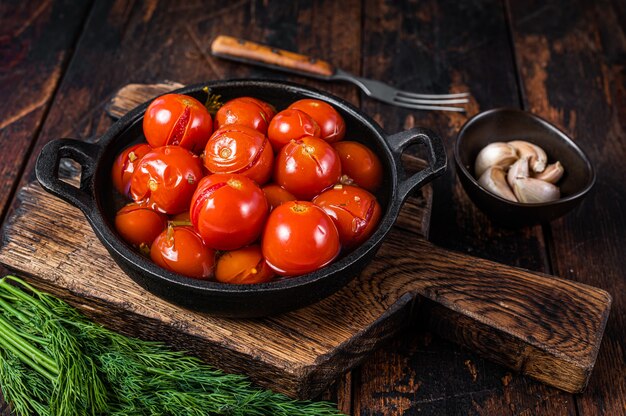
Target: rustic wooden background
(60, 62)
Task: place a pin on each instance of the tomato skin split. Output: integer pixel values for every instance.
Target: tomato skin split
(228, 211)
(240, 149)
(166, 178)
(306, 167)
(355, 212)
(177, 120)
(181, 250)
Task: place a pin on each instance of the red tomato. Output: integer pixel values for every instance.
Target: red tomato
(239, 149)
(181, 250)
(360, 164)
(332, 125)
(354, 210)
(245, 111)
(228, 211)
(306, 167)
(139, 225)
(290, 124)
(177, 120)
(243, 266)
(166, 178)
(276, 195)
(125, 164)
(299, 238)
(269, 109)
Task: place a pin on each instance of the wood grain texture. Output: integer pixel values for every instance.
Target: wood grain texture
(247, 51)
(36, 39)
(439, 46)
(571, 58)
(539, 325)
(457, 47)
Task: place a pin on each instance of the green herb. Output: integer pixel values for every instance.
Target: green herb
(54, 361)
(213, 101)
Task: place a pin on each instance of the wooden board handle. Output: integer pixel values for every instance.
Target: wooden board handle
(257, 54)
(540, 325)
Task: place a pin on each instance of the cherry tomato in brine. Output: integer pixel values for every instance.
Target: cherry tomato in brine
(177, 120)
(299, 238)
(289, 125)
(306, 167)
(360, 164)
(139, 225)
(245, 111)
(228, 211)
(166, 178)
(243, 266)
(332, 125)
(240, 149)
(354, 210)
(125, 164)
(276, 195)
(181, 250)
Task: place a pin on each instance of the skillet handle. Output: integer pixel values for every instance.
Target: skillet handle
(47, 171)
(436, 157)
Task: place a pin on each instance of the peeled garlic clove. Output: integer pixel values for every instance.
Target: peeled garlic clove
(494, 181)
(553, 173)
(517, 171)
(494, 154)
(532, 191)
(538, 158)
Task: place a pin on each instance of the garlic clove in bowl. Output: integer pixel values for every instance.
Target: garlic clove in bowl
(518, 170)
(494, 154)
(536, 155)
(535, 191)
(494, 180)
(553, 173)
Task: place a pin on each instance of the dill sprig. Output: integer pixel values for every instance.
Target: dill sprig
(55, 361)
(213, 101)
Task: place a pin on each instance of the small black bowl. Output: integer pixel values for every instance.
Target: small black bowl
(96, 198)
(506, 124)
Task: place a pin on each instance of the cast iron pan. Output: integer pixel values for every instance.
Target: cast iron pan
(97, 199)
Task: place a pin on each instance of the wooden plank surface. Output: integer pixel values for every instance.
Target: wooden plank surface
(36, 40)
(438, 46)
(418, 373)
(572, 70)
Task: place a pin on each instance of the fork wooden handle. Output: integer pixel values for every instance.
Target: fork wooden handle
(255, 53)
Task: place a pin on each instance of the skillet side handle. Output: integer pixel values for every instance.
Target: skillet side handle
(437, 158)
(47, 171)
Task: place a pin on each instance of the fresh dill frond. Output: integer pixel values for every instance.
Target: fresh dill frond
(54, 361)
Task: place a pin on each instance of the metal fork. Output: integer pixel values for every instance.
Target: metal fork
(256, 54)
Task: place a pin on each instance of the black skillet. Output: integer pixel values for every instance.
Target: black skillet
(97, 199)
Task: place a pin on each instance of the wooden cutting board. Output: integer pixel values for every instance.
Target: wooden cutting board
(542, 326)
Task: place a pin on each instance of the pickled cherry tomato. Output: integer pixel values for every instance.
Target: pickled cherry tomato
(276, 195)
(139, 225)
(166, 178)
(299, 238)
(240, 149)
(177, 120)
(306, 167)
(228, 211)
(354, 210)
(181, 250)
(360, 164)
(125, 164)
(245, 111)
(243, 266)
(332, 125)
(291, 124)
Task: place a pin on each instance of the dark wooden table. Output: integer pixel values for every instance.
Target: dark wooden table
(61, 61)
